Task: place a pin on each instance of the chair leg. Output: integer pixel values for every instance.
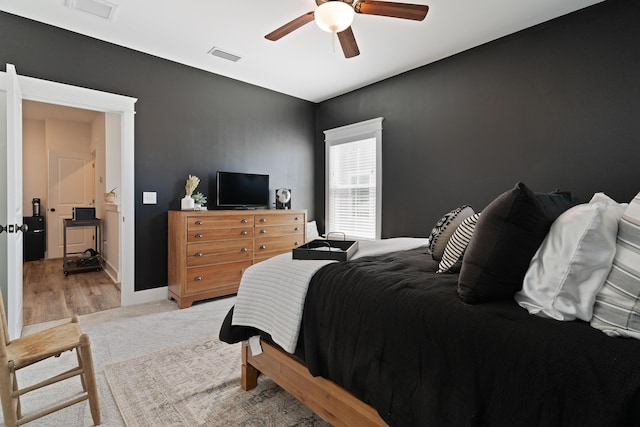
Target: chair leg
(81, 365)
(6, 396)
(14, 378)
(89, 377)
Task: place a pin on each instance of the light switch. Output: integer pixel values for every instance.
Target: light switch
(149, 198)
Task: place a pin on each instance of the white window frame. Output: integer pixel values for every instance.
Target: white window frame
(352, 133)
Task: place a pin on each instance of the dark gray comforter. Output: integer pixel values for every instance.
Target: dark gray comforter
(396, 335)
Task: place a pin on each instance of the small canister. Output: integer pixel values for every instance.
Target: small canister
(36, 207)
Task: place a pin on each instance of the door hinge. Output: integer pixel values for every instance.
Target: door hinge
(13, 228)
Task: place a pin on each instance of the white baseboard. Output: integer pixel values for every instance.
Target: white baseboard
(142, 297)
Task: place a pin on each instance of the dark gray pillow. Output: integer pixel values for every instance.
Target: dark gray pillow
(507, 235)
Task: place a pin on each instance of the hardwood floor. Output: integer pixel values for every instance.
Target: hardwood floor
(50, 295)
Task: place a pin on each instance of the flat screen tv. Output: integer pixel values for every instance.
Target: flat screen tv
(242, 190)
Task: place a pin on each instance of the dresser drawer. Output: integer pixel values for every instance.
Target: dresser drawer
(219, 252)
(222, 221)
(279, 219)
(270, 246)
(208, 234)
(207, 278)
(277, 230)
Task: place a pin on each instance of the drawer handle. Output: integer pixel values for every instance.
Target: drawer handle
(244, 233)
(296, 229)
(197, 278)
(296, 219)
(244, 250)
(244, 221)
(198, 236)
(263, 231)
(198, 222)
(263, 219)
(296, 243)
(263, 246)
(198, 253)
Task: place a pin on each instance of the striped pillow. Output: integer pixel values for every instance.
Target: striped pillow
(458, 243)
(617, 308)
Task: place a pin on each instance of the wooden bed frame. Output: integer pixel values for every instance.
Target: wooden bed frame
(324, 397)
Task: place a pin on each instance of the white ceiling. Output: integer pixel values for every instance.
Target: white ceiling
(303, 64)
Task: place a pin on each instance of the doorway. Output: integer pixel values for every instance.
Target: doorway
(64, 165)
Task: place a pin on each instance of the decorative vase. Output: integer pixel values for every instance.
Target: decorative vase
(110, 197)
(187, 203)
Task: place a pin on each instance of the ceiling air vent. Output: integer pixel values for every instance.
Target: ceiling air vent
(223, 54)
(99, 8)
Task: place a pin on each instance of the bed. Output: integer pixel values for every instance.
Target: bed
(384, 339)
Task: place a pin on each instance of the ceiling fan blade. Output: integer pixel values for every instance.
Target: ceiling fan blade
(416, 12)
(348, 43)
(290, 27)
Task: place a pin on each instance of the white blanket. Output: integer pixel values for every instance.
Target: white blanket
(272, 293)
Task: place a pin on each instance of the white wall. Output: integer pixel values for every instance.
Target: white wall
(65, 135)
(34, 165)
(111, 245)
(98, 149)
(104, 129)
(113, 153)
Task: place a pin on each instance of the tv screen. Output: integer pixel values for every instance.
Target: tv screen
(242, 190)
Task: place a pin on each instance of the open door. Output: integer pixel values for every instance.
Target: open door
(11, 239)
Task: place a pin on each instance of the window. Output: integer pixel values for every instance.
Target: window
(354, 179)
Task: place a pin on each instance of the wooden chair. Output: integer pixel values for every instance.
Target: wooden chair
(34, 348)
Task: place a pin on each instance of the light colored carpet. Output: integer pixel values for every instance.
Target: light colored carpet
(118, 335)
(198, 384)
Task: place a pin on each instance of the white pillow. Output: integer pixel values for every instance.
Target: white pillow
(312, 231)
(573, 261)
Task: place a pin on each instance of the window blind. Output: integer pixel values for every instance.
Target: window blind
(352, 188)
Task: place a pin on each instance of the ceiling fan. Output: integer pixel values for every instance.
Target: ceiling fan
(336, 16)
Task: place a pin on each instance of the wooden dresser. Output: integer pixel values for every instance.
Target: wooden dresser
(209, 250)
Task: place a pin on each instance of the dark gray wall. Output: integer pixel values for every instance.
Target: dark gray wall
(187, 122)
(554, 106)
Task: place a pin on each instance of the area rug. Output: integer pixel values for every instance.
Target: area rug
(198, 384)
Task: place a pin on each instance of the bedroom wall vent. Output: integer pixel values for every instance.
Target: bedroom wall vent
(99, 8)
(223, 54)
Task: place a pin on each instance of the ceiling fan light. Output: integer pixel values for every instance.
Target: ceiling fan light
(334, 16)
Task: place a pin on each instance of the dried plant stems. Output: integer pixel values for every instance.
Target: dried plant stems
(192, 183)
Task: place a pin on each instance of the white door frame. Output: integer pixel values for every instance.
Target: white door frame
(89, 99)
